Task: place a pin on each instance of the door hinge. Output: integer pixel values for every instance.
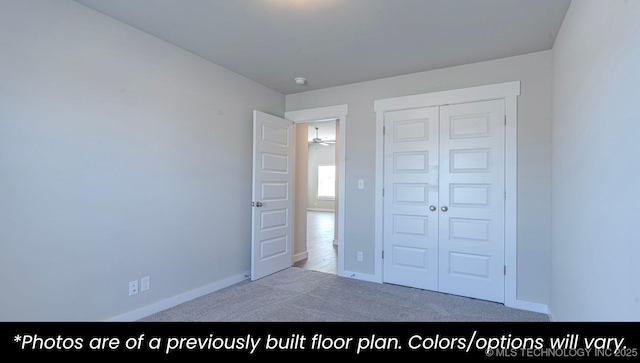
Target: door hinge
(384, 130)
(505, 119)
(505, 270)
(505, 195)
(383, 192)
(383, 254)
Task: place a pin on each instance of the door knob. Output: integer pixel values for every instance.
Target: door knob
(259, 204)
(432, 208)
(444, 208)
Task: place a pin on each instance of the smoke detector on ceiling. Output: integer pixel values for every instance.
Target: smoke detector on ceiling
(300, 80)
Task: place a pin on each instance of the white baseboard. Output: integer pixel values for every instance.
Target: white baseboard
(194, 294)
(532, 306)
(300, 257)
(177, 300)
(359, 276)
(551, 318)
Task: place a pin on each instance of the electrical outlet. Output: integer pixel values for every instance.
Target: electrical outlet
(144, 284)
(360, 256)
(133, 287)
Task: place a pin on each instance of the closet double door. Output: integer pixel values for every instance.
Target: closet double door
(444, 199)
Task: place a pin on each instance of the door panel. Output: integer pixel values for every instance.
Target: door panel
(272, 210)
(411, 186)
(471, 226)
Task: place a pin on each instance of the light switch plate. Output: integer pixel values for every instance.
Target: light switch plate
(144, 283)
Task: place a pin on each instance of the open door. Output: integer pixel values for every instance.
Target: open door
(272, 199)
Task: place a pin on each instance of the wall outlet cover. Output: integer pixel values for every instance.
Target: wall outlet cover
(133, 287)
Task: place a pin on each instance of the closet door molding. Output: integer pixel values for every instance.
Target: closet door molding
(508, 92)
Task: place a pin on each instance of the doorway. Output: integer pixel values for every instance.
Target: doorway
(321, 186)
(319, 224)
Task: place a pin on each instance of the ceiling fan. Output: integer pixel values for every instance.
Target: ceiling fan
(318, 140)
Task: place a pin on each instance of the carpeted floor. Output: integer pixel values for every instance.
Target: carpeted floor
(300, 295)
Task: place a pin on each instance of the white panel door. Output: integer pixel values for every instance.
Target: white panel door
(443, 204)
(272, 200)
(411, 198)
(471, 197)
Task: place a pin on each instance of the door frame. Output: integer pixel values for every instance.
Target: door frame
(509, 92)
(338, 112)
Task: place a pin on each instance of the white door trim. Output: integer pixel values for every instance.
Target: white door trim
(338, 112)
(508, 91)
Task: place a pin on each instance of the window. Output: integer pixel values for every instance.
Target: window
(326, 181)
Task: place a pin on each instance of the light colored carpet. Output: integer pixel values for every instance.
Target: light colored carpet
(299, 295)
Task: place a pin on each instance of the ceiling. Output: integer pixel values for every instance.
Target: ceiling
(337, 42)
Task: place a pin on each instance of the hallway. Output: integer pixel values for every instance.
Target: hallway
(323, 254)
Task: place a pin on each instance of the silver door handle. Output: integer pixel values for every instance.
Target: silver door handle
(444, 208)
(432, 208)
(259, 204)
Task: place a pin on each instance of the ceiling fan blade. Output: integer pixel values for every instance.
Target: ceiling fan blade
(318, 140)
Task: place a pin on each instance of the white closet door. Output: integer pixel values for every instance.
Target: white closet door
(410, 187)
(471, 219)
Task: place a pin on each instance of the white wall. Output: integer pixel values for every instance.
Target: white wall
(121, 156)
(534, 140)
(596, 150)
